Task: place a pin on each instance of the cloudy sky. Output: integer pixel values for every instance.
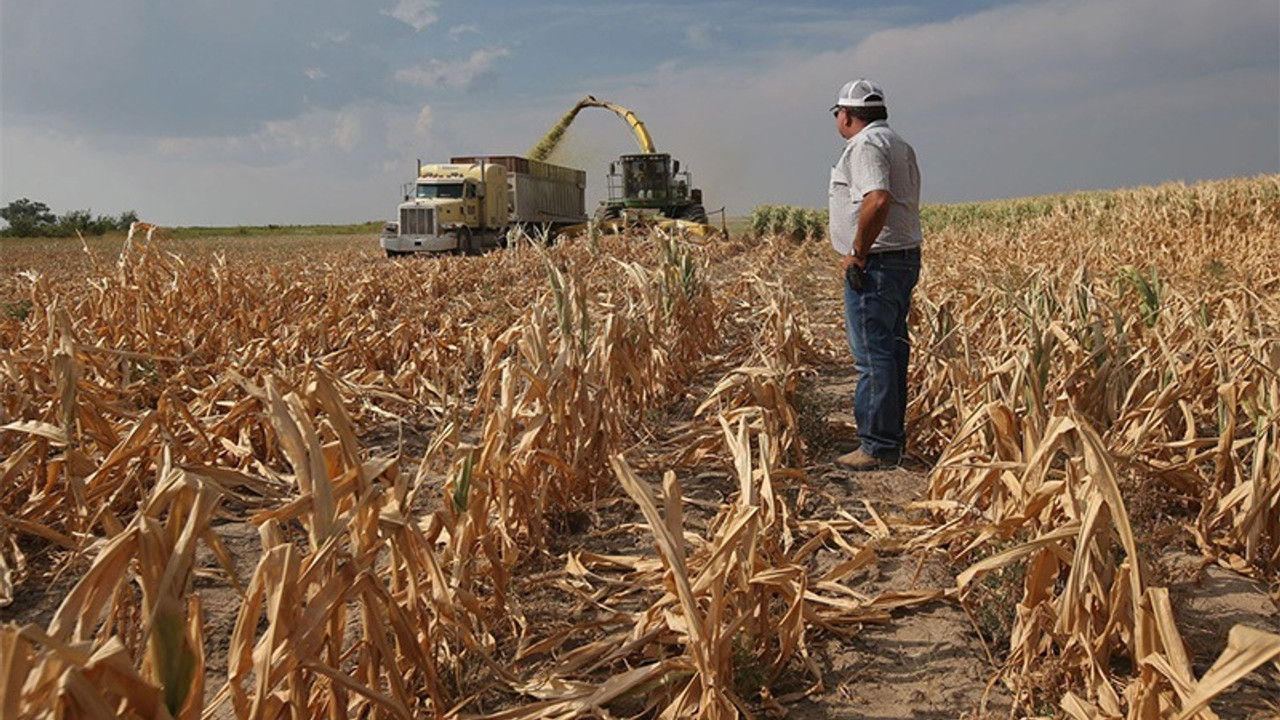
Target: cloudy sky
(223, 112)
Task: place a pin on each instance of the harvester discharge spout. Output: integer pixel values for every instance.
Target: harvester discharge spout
(548, 143)
(644, 183)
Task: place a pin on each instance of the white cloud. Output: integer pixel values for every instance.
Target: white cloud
(460, 30)
(273, 175)
(271, 142)
(1061, 50)
(1030, 97)
(313, 132)
(347, 130)
(1027, 99)
(331, 38)
(458, 74)
(422, 126)
(698, 36)
(417, 14)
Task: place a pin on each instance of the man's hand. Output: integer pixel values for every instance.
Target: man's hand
(850, 260)
(854, 272)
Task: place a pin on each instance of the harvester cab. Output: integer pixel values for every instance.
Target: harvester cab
(652, 181)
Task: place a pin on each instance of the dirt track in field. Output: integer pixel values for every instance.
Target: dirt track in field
(932, 662)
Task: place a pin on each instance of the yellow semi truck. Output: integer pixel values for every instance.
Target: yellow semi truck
(474, 203)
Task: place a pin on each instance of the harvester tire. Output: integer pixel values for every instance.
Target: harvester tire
(694, 213)
(605, 213)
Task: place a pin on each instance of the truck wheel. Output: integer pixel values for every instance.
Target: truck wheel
(395, 254)
(466, 245)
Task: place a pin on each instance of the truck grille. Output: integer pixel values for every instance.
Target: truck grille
(417, 221)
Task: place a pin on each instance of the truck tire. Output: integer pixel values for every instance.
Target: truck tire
(466, 245)
(395, 253)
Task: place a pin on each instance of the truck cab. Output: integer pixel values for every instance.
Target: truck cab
(450, 207)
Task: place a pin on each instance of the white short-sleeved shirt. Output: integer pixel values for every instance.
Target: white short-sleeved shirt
(877, 158)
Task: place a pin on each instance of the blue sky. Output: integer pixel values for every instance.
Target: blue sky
(196, 112)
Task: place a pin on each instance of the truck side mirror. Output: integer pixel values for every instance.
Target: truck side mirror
(480, 191)
(676, 171)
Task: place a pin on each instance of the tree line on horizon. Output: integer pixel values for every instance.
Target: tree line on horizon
(30, 218)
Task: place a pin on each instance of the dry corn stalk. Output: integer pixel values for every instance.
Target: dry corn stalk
(1133, 332)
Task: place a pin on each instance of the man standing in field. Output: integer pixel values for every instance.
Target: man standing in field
(874, 201)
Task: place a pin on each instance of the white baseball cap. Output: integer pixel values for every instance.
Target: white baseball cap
(859, 93)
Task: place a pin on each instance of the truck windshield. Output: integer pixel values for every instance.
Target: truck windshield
(451, 190)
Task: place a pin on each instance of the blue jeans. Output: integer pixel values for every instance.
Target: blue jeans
(875, 322)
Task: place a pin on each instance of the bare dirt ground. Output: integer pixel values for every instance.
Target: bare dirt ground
(1208, 601)
(929, 661)
(932, 661)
